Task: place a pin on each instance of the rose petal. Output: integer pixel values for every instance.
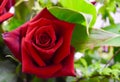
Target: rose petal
(68, 65)
(5, 16)
(42, 72)
(36, 31)
(35, 56)
(10, 3)
(43, 40)
(2, 6)
(39, 23)
(13, 40)
(47, 54)
(29, 36)
(45, 29)
(64, 29)
(44, 14)
(49, 71)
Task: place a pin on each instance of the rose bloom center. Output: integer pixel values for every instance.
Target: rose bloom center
(44, 38)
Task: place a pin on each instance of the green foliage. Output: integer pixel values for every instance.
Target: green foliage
(12, 24)
(67, 15)
(79, 38)
(109, 6)
(116, 66)
(83, 7)
(109, 36)
(96, 70)
(114, 28)
(118, 2)
(23, 10)
(70, 79)
(45, 3)
(117, 55)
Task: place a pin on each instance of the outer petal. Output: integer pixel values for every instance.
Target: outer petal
(13, 40)
(65, 30)
(44, 14)
(68, 65)
(39, 23)
(5, 16)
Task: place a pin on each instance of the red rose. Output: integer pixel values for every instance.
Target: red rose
(5, 7)
(43, 46)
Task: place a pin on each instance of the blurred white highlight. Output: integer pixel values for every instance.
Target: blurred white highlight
(12, 10)
(55, 1)
(78, 55)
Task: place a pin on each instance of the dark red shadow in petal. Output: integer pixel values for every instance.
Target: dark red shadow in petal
(68, 65)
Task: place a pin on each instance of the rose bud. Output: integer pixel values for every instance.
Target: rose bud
(6, 9)
(43, 46)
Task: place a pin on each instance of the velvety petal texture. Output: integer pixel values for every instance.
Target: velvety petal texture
(5, 9)
(42, 45)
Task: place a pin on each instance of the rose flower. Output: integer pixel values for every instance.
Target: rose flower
(6, 9)
(42, 45)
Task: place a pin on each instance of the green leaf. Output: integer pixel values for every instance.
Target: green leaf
(118, 3)
(81, 6)
(99, 37)
(23, 10)
(36, 79)
(115, 73)
(7, 70)
(116, 66)
(106, 71)
(67, 15)
(108, 7)
(115, 28)
(109, 36)
(70, 79)
(115, 41)
(83, 61)
(117, 57)
(95, 66)
(79, 38)
(105, 80)
(12, 24)
(95, 79)
(45, 3)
